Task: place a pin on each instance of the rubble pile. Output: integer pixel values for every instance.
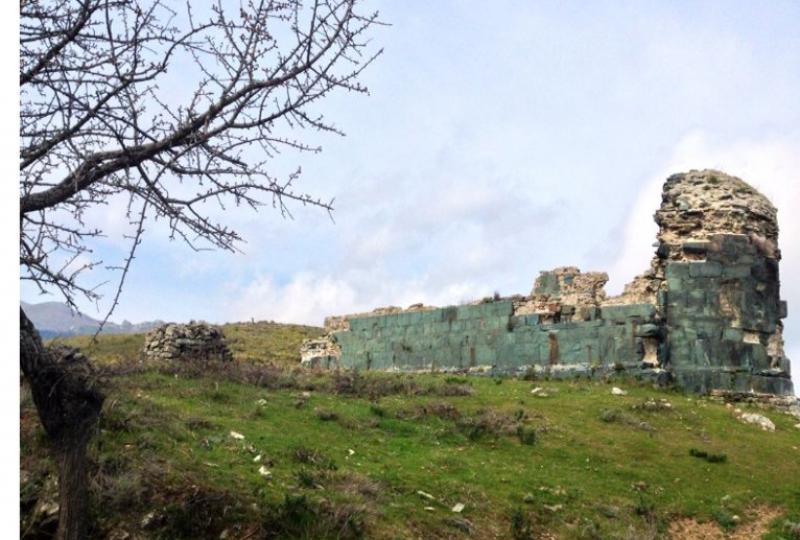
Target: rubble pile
(186, 342)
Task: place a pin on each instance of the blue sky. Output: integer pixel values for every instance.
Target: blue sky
(501, 139)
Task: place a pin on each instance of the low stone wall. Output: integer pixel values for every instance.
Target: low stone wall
(196, 341)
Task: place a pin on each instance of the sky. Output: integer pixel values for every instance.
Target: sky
(498, 140)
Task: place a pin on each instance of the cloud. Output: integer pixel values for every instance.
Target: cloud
(771, 165)
(309, 297)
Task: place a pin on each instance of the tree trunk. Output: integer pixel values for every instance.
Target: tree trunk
(63, 389)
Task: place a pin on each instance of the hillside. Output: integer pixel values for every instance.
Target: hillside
(259, 342)
(258, 452)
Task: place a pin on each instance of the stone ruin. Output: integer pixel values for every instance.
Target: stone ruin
(706, 315)
(195, 341)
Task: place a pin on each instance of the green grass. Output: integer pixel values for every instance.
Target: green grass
(350, 457)
(258, 342)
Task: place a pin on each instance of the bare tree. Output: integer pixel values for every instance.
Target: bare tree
(167, 110)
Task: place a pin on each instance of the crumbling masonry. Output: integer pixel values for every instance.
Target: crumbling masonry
(706, 315)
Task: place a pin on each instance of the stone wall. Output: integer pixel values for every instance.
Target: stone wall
(490, 337)
(196, 341)
(706, 314)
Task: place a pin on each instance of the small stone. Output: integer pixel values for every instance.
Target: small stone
(760, 420)
(430, 508)
(426, 495)
(263, 471)
(529, 498)
(149, 519)
(618, 392)
(257, 458)
(797, 426)
(236, 435)
(49, 508)
(458, 508)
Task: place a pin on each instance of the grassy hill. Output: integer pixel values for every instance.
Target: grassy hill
(259, 342)
(260, 452)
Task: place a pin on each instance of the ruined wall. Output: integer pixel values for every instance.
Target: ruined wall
(195, 341)
(707, 313)
(491, 337)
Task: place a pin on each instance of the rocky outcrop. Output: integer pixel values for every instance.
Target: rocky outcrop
(195, 341)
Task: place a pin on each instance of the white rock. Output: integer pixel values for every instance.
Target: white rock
(49, 508)
(760, 420)
(797, 426)
(458, 508)
(263, 471)
(236, 435)
(426, 495)
(537, 390)
(618, 392)
(148, 519)
(257, 458)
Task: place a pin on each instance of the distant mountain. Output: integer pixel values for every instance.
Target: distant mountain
(56, 319)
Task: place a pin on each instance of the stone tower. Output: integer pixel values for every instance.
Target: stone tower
(717, 282)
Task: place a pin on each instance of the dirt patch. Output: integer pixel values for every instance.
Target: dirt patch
(757, 524)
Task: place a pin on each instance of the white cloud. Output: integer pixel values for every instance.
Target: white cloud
(309, 297)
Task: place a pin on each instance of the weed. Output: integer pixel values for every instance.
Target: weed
(725, 518)
(451, 390)
(711, 458)
(530, 374)
(442, 410)
(378, 411)
(298, 517)
(325, 415)
(521, 525)
(486, 423)
(526, 435)
(197, 424)
(204, 513)
(306, 478)
(644, 507)
(309, 456)
(614, 415)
